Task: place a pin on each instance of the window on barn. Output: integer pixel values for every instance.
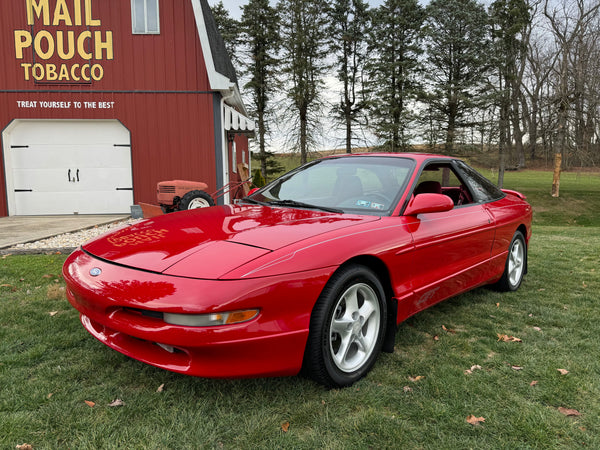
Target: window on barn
(145, 17)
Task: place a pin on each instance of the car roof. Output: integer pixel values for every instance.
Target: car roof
(419, 157)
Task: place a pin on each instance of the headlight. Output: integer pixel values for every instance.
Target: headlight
(210, 320)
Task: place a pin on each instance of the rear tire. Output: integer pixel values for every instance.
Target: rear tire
(195, 199)
(347, 328)
(516, 264)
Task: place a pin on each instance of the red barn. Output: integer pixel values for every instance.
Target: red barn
(101, 99)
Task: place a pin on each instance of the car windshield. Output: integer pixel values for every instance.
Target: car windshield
(358, 184)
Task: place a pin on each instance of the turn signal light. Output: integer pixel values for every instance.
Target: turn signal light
(210, 320)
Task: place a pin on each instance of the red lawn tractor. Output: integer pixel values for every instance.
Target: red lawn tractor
(179, 195)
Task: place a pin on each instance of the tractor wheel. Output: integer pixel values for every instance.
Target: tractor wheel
(195, 199)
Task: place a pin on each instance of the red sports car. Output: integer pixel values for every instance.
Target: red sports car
(313, 272)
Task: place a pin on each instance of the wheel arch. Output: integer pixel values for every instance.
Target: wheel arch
(381, 270)
(523, 229)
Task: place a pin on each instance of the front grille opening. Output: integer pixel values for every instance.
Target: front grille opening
(145, 313)
(166, 189)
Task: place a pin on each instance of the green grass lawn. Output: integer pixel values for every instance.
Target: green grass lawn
(418, 397)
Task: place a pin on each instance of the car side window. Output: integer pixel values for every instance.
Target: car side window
(440, 178)
(483, 189)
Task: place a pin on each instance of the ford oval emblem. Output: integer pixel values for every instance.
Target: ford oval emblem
(95, 271)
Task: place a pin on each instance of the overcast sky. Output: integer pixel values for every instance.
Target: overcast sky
(235, 6)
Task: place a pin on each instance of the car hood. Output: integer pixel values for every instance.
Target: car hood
(222, 237)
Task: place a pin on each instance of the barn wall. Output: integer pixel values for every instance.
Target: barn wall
(156, 85)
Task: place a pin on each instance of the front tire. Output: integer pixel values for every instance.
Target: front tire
(347, 328)
(516, 264)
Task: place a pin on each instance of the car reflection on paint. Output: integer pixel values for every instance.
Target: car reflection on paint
(313, 272)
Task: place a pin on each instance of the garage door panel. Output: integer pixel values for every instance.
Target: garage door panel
(45, 203)
(85, 131)
(104, 156)
(103, 180)
(44, 180)
(105, 201)
(41, 157)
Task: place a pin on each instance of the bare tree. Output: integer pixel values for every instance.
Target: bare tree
(569, 24)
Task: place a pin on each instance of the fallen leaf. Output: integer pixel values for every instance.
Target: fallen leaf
(407, 389)
(563, 371)
(161, 388)
(448, 330)
(47, 276)
(533, 383)
(49, 395)
(537, 328)
(436, 338)
(568, 412)
(497, 305)
(472, 369)
(475, 421)
(90, 404)
(285, 427)
(24, 447)
(53, 313)
(117, 402)
(507, 338)
(417, 378)
(516, 367)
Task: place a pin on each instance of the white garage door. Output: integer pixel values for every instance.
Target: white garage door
(68, 167)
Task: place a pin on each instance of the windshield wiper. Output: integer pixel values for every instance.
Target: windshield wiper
(294, 203)
(254, 202)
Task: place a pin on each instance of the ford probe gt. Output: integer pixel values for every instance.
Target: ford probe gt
(312, 272)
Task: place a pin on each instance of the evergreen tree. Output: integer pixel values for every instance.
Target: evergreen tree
(510, 22)
(304, 39)
(349, 21)
(229, 28)
(259, 27)
(394, 60)
(458, 49)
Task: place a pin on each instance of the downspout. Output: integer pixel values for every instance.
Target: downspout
(225, 145)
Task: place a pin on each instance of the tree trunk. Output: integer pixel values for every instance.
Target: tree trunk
(556, 176)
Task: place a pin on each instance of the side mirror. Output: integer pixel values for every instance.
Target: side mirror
(252, 191)
(428, 203)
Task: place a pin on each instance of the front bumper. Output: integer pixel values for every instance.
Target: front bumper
(272, 344)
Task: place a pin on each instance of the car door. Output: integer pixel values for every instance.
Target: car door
(452, 249)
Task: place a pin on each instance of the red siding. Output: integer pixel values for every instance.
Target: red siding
(157, 86)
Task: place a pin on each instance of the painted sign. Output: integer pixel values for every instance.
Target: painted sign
(63, 42)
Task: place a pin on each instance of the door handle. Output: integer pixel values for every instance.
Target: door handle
(69, 175)
(77, 175)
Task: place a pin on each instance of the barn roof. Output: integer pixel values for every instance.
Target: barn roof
(221, 58)
(221, 73)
